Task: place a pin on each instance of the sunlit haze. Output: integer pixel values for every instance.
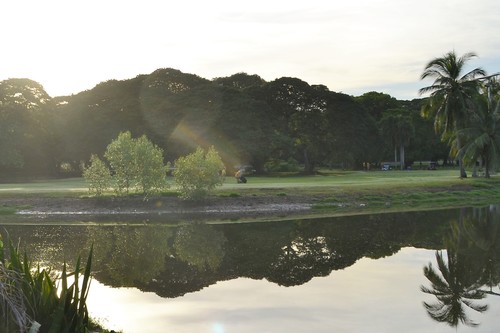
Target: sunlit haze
(351, 46)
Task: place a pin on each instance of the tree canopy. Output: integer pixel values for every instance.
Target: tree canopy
(247, 120)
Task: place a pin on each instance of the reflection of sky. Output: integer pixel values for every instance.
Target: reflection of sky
(371, 296)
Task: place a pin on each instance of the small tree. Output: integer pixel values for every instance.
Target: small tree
(198, 174)
(149, 170)
(135, 163)
(97, 176)
(120, 155)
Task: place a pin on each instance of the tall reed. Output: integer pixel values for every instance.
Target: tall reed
(55, 302)
(13, 311)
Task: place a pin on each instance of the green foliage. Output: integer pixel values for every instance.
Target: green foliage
(451, 97)
(483, 134)
(24, 114)
(250, 121)
(13, 308)
(123, 259)
(97, 176)
(120, 155)
(135, 163)
(376, 103)
(198, 174)
(53, 301)
(278, 165)
(149, 171)
(201, 246)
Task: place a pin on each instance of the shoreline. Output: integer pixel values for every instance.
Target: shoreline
(157, 209)
(232, 209)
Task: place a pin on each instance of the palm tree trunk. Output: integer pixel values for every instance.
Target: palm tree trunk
(486, 167)
(306, 161)
(460, 157)
(402, 156)
(308, 165)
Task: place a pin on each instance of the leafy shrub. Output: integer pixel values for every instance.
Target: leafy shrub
(97, 176)
(120, 155)
(135, 164)
(198, 174)
(149, 169)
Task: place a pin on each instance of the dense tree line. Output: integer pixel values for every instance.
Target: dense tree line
(275, 125)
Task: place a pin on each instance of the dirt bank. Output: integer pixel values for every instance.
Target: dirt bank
(158, 209)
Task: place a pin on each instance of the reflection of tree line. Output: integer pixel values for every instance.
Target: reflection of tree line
(172, 261)
(468, 270)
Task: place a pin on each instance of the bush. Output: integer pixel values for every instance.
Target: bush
(120, 155)
(150, 172)
(97, 176)
(198, 174)
(135, 164)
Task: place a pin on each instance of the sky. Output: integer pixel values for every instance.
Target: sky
(353, 46)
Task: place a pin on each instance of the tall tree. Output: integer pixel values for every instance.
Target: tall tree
(397, 127)
(298, 110)
(25, 127)
(483, 133)
(376, 103)
(451, 95)
(351, 136)
(427, 145)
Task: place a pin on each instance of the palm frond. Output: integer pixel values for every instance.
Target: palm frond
(473, 74)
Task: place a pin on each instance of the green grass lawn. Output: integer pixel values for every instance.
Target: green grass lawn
(52, 186)
(347, 180)
(352, 179)
(340, 191)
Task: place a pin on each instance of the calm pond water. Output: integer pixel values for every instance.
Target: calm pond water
(416, 272)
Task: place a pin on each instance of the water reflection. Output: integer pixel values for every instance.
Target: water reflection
(177, 261)
(468, 270)
(174, 260)
(200, 245)
(128, 256)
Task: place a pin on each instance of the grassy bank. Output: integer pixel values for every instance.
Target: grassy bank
(331, 193)
(345, 192)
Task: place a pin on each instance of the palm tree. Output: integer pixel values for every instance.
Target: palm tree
(451, 95)
(483, 133)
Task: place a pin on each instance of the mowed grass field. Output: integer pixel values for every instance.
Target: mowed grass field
(348, 180)
(332, 192)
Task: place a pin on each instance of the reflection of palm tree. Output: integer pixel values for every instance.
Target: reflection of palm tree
(453, 288)
(483, 231)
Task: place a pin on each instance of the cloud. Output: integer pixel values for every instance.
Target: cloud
(347, 46)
